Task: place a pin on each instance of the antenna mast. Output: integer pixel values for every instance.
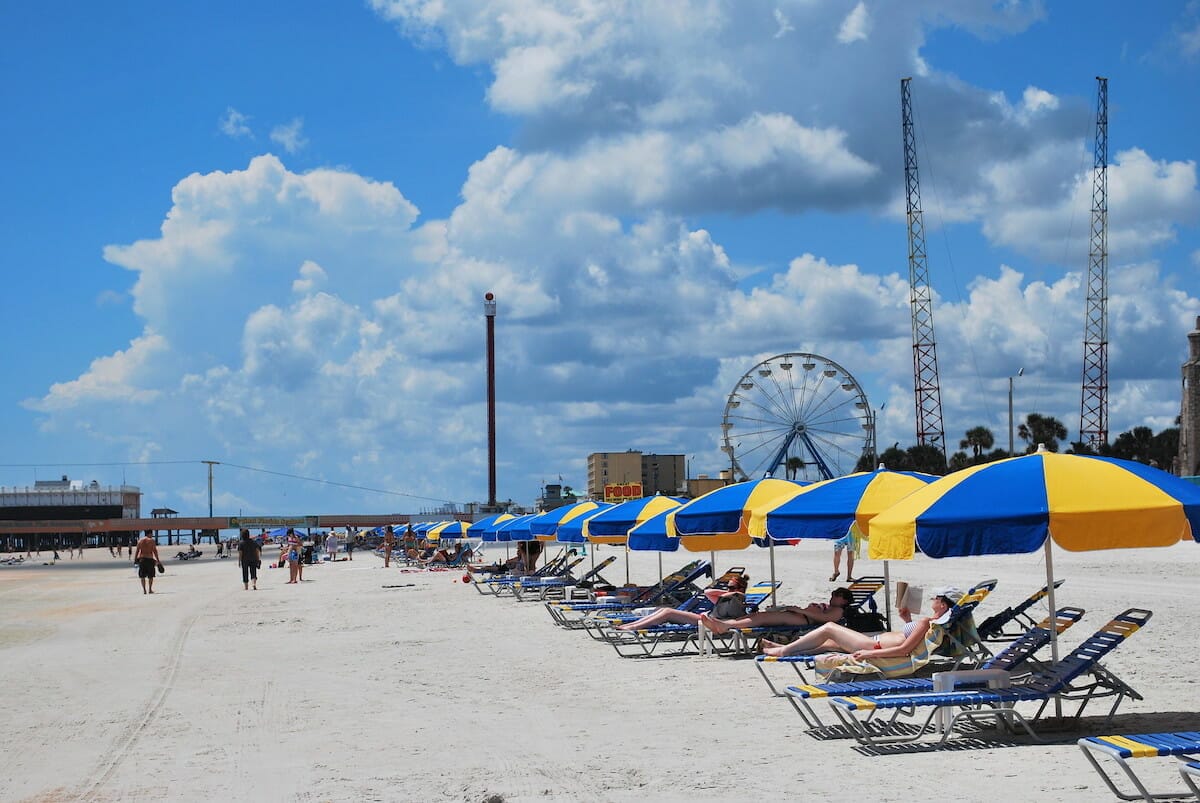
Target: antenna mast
(1093, 404)
(926, 388)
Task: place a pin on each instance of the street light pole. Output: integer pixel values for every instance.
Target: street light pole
(1020, 372)
(210, 463)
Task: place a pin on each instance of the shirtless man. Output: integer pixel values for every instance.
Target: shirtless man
(146, 557)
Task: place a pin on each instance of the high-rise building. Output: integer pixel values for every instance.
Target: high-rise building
(658, 473)
(1189, 409)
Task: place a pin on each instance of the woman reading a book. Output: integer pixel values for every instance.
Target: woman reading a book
(833, 637)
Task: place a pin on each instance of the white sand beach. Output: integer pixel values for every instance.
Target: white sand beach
(341, 689)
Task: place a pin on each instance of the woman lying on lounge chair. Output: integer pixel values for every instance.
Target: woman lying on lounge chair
(721, 598)
(832, 637)
(788, 615)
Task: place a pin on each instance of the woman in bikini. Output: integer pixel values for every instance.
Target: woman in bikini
(737, 585)
(833, 637)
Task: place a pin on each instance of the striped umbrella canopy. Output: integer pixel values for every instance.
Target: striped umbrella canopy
(448, 530)
(720, 519)
(612, 526)
(655, 534)
(1021, 504)
(544, 526)
(571, 532)
(479, 528)
(515, 529)
(827, 509)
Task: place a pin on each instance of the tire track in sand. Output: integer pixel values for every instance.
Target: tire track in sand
(125, 742)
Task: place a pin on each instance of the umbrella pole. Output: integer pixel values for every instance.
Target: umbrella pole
(887, 593)
(626, 564)
(1053, 612)
(771, 549)
(660, 574)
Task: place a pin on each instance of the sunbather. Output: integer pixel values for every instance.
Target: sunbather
(832, 637)
(788, 615)
(442, 556)
(737, 588)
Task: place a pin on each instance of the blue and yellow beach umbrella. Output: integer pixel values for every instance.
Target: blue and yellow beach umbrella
(1012, 506)
(720, 519)
(654, 534)
(571, 532)
(827, 509)
(544, 526)
(448, 530)
(481, 528)
(612, 526)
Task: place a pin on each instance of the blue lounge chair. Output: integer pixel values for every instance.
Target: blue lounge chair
(1017, 657)
(958, 633)
(552, 568)
(1063, 680)
(671, 589)
(598, 623)
(542, 588)
(1184, 745)
(1011, 623)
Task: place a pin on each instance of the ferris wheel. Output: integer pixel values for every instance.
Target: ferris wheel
(800, 416)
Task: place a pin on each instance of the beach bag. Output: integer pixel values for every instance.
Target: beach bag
(730, 606)
(865, 621)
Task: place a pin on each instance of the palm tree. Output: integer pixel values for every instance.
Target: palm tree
(793, 466)
(1044, 429)
(978, 439)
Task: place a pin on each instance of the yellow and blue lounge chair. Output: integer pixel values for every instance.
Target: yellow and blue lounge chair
(1011, 623)
(1184, 745)
(954, 641)
(669, 590)
(1061, 680)
(1015, 658)
(544, 587)
(684, 638)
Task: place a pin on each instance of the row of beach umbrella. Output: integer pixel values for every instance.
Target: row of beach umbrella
(1012, 506)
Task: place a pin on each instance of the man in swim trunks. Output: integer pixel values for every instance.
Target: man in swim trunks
(146, 557)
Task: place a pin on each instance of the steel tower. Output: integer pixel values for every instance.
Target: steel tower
(927, 391)
(1093, 404)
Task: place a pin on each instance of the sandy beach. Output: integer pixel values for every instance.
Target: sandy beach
(343, 689)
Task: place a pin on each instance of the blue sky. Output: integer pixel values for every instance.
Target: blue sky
(261, 239)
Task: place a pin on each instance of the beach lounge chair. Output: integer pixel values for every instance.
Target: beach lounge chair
(955, 642)
(1184, 745)
(683, 638)
(551, 568)
(1077, 678)
(1011, 623)
(1016, 658)
(543, 588)
(669, 590)
(508, 585)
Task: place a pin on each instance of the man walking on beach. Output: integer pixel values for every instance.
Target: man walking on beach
(147, 560)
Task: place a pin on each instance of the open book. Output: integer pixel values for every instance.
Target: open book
(909, 596)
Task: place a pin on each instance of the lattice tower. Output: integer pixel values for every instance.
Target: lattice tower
(1093, 404)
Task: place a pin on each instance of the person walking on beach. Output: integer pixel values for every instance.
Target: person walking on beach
(292, 545)
(331, 546)
(250, 560)
(389, 543)
(146, 557)
(350, 545)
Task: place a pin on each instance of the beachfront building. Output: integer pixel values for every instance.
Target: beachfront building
(1189, 410)
(60, 502)
(555, 496)
(657, 473)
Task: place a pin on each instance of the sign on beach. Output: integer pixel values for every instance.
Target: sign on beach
(622, 491)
